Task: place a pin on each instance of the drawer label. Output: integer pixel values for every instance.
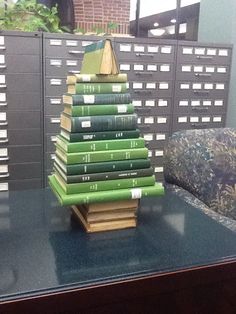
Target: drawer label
(151, 67)
(186, 68)
(194, 119)
(3, 133)
(55, 101)
(182, 119)
(3, 152)
(161, 120)
(125, 67)
(195, 103)
(3, 116)
(125, 47)
(3, 168)
(199, 51)
(55, 42)
(2, 96)
(211, 52)
(221, 70)
(218, 103)
(71, 43)
(160, 137)
(148, 137)
(2, 59)
(2, 40)
(138, 48)
(165, 68)
(55, 62)
(138, 67)
(150, 85)
(217, 119)
(71, 63)
(206, 119)
(148, 120)
(187, 50)
(158, 169)
(223, 52)
(152, 49)
(137, 103)
(55, 82)
(183, 103)
(4, 186)
(206, 103)
(150, 103)
(166, 49)
(162, 103)
(2, 79)
(163, 86)
(159, 153)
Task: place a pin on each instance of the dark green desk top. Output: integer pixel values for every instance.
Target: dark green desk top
(43, 249)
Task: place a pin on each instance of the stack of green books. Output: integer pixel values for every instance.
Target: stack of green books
(100, 156)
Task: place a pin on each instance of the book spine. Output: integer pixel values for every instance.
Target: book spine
(104, 123)
(99, 145)
(110, 175)
(122, 165)
(74, 188)
(121, 98)
(100, 88)
(81, 111)
(119, 78)
(87, 157)
(104, 196)
(97, 136)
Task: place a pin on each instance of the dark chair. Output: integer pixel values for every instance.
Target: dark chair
(203, 163)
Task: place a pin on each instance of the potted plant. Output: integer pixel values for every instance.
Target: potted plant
(30, 16)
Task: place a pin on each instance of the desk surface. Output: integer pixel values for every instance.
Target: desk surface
(43, 249)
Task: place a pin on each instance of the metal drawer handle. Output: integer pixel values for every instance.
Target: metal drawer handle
(151, 55)
(201, 92)
(4, 141)
(144, 73)
(2, 48)
(3, 104)
(4, 175)
(203, 75)
(74, 72)
(76, 52)
(143, 110)
(201, 125)
(4, 158)
(3, 86)
(204, 57)
(4, 123)
(3, 66)
(200, 109)
(143, 92)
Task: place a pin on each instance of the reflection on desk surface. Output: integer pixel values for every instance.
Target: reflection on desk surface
(43, 247)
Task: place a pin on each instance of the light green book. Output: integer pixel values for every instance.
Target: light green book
(104, 196)
(90, 146)
(97, 88)
(74, 188)
(110, 155)
(98, 110)
(96, 78)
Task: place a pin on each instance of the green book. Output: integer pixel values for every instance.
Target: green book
(99, 123)
(74, 188)
(81, 111)
(99, 58)
(96, 167)
(91, 146)
(104, 196)
(87, 157)
(102, 176)
(97, 88)
(116, 98)
(96, 78)
(97, 136)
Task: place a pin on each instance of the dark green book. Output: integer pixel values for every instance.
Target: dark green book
(96, 167)
(109, 155)
(99, 145)
(97, 88)
(104, 196)
(96, 110)
(113, 175)
(97, 136)
(98, 99)
(75, 188)
(99, 123)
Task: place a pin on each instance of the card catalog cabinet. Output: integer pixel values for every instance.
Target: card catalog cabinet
(63, 55)
(21, 152)
(150, 67)
(201, 86)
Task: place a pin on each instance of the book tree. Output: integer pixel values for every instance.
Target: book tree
(101, 167)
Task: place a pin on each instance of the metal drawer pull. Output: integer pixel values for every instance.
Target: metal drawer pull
(144, 73)
(151, 55)
(203, 75)
(76, 52)
(143, 92)
(204, 57)
(2, 48)
(200, 109)
(3, 104)
(201, 92)
(143, 110)
(4, 123)
(3, 86)
(4, 158)
(4, 175)
(4, 141)
(74, 72)
(3, 66)
(201, 125)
